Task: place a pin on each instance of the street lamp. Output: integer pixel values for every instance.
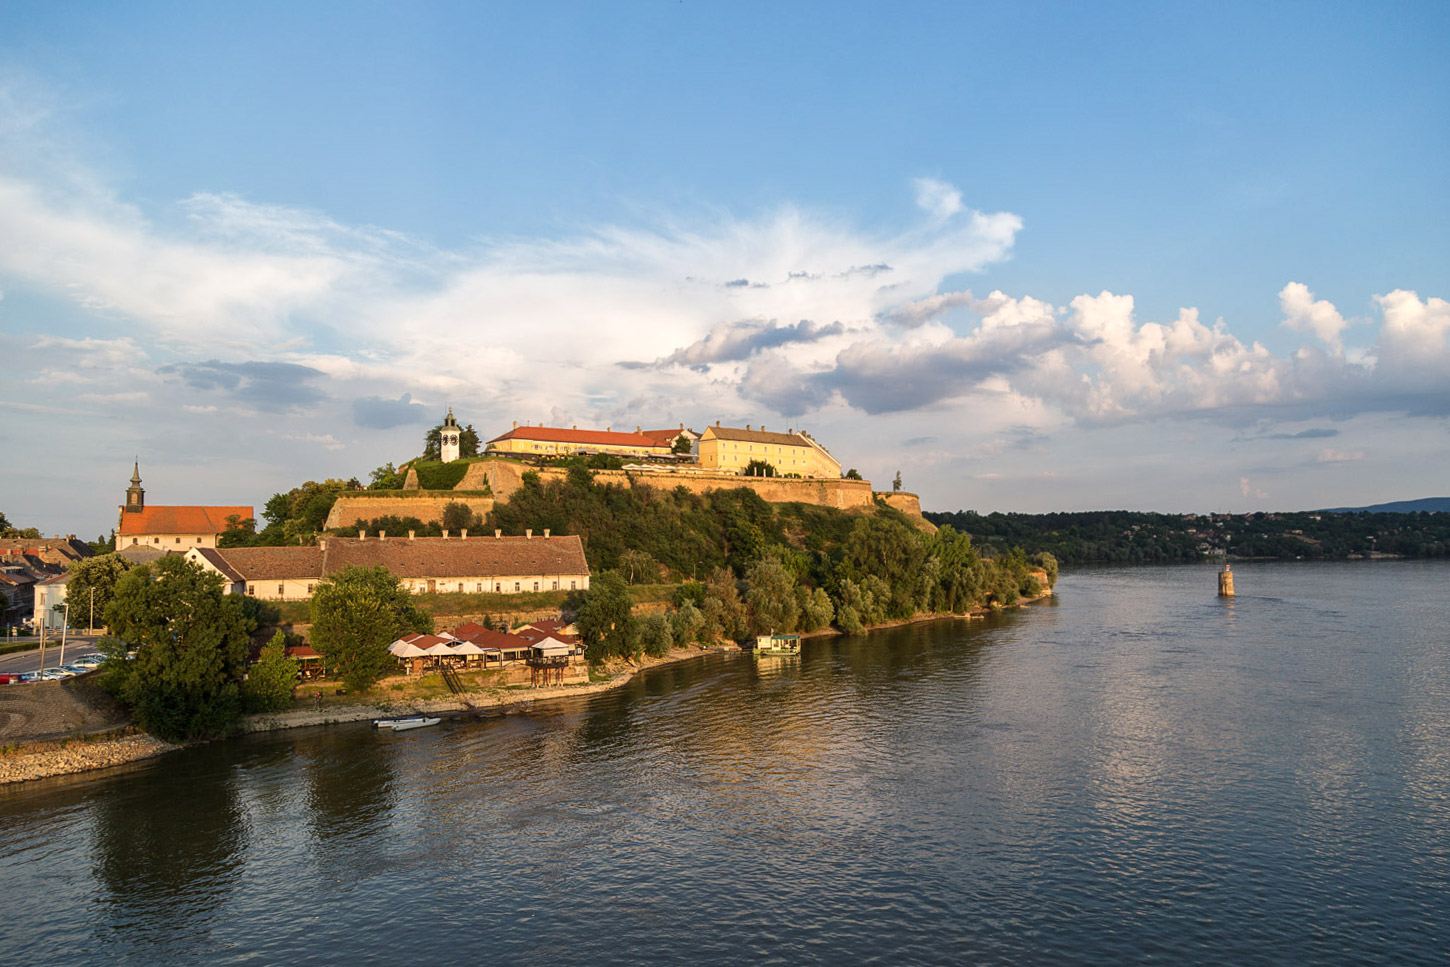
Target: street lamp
(91, 627)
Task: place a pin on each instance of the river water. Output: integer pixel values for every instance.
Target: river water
(1137, 771)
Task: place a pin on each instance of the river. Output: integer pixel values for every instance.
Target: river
(1136, 771)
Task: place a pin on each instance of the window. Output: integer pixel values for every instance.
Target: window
(178, 540)
(498, 585)
(309, 589)
(198, 540)
(479, 586)
(516, 585)
(281, 591)
(536, 585)
(252, 589)
(133, 540)
(556, 585)
(156, 540)
(572, 585)
(460, 585)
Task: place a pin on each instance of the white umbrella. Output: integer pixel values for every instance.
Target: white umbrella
(468, 648)
(406, 649)
(440, 650)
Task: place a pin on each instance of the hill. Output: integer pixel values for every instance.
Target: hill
(1425, 505)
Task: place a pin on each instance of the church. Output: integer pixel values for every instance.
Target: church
(174, 528)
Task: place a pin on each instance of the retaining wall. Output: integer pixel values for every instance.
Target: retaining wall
(426, 507)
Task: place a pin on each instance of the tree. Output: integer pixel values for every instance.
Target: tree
(460, 517)
(433, 444)
(639, 567)
(772, 598)
(271, 681)
(356, 614)
(240, 532)
(681, 444)
(816, 608)
(386, 477)
(759, 468)
(92, 586)
(853, 474)
(606, 619)
(896, 482)
(725, 615)
(468, 442)
(656, 636)
(190, 639)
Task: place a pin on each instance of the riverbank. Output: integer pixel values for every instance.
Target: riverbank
(67, 756)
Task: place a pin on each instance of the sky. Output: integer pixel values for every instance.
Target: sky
(1033, 256)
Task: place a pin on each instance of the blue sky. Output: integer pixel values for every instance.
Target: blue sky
(1035, 256)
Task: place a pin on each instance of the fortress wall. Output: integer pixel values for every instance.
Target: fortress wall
(505, 477)
(425, 507)
(901, 500)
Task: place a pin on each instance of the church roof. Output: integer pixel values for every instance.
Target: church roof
(180, 520)
(557, 434)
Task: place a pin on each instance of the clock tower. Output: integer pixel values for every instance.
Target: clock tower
(448, 435)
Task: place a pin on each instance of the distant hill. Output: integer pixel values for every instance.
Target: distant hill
(1425, 505)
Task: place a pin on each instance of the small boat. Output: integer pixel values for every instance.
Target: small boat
(394, 723)
(778, 645)
(418, 723)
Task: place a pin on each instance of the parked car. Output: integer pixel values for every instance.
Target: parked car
(77, 669)
(90, 661)
(27, 677)
(55, 673)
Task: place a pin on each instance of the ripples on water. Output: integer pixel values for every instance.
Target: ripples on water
(1136, 772)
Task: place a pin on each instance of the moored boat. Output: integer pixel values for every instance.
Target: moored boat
(778, 645)
(395, 722)
(417, 723)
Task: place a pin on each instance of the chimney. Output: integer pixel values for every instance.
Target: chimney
(546, 533)
(382, 535)
(362, 535)
(717, 422)
(529, 534)
(411, 533)
(609, 429)
(463, 534)
(638, 430)
(445, 535)
(497, 533)
(575, 426)
(747, 426)
(762, 428)
(682, 426)
(516, 424)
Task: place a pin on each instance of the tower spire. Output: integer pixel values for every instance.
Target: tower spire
(135, 494)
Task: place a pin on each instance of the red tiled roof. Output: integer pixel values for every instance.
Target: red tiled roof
(180, 520)
(484, 638)
(665, 438)
(554, 434)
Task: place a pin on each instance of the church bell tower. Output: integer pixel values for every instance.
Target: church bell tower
(448, 435)
(135, 494)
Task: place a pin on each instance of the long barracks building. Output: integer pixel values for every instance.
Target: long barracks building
(422, 564)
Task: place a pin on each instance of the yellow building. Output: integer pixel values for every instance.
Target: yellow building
(551, 441)
(730, 450)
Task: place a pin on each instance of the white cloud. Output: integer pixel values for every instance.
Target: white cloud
(1339, 456)
(940, 198)
(1303, 313)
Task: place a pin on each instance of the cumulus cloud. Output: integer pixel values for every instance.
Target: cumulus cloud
(940, 198)
(1303, 313)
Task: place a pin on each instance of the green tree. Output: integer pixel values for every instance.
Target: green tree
(771, 598)
(656, 637)
(272, 680)
(190, 639)
(681, 444)
(816, 608)
(639, 567)
(606, 619)
(356, 614)
(92, 586)
(896, 482)
(433, 444)
(759, 468)
(853, 474)
(386, 477)
(460, 517)
(468, 442)
(239, 532)
(725, 614)
(686, 623)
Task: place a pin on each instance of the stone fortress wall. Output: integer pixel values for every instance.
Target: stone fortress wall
(503, 477)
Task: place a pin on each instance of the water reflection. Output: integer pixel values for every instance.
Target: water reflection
(168, 851)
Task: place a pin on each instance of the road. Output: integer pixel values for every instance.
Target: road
(29, 661)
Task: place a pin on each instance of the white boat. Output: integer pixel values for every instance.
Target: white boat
(419, 723)
(394, 723)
